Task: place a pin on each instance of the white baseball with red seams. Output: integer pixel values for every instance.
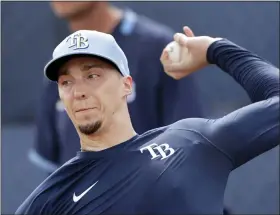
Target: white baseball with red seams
(174, 51)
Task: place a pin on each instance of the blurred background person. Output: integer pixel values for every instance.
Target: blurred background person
(153, 102)
(30, 31)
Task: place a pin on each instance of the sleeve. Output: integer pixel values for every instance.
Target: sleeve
(252, 130)
(45, 152)
(35, 203)
(24, 208)
(176, 99)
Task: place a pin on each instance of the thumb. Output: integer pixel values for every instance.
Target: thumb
(164, 56)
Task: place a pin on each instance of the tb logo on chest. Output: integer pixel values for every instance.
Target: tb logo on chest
(163, 150)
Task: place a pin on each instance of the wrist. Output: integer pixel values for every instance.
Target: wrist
(213, 44)
(209, 42)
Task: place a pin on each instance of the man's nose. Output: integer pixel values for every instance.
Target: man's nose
(80, 91)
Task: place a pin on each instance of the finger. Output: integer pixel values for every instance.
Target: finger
(188, 31)
(181, 39)
(164, 56)
(176, 74)
(174, 67)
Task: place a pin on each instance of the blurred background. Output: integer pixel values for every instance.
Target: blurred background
(29, 34)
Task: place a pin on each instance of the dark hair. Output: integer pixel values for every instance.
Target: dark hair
(60, 62)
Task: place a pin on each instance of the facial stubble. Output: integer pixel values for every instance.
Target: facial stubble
(90, 129)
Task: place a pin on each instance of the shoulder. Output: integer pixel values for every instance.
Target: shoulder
(189, 125)
(195, 125)
(43, 195)
(151, 31)
(153, 133)
(34, 202)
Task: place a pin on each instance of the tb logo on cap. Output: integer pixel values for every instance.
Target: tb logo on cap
(77, 41)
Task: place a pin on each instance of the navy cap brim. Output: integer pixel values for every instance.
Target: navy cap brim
(52, 68)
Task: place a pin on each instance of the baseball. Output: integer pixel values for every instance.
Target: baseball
(174, 51)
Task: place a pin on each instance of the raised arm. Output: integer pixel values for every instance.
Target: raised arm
(251, 130)
(254, 129)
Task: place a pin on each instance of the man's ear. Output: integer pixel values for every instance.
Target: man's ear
(127, 81)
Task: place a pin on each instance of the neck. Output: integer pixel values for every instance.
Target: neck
(94, 19)
(120, 130)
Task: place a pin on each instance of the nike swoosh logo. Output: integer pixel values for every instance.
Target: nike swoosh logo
(77, 198)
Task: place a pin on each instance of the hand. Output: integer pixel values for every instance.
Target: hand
(194, 54)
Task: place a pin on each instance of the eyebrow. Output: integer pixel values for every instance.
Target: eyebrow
(85, 68)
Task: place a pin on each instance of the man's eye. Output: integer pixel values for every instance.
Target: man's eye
(65, 83)
(93, 76)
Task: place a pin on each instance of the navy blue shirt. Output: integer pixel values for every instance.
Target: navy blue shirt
(181, 168)
(156, 101)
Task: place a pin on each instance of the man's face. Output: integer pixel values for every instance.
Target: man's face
(71, 9)
(92, 91)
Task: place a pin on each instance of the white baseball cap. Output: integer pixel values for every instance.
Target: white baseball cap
(87, 43)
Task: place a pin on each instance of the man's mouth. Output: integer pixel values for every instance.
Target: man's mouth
(83, 109)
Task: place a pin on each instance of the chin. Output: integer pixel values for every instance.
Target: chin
(68, 15)
(73, 13)
(90, 128)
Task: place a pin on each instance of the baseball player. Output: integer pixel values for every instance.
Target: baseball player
(181, 168)
(155, 100)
